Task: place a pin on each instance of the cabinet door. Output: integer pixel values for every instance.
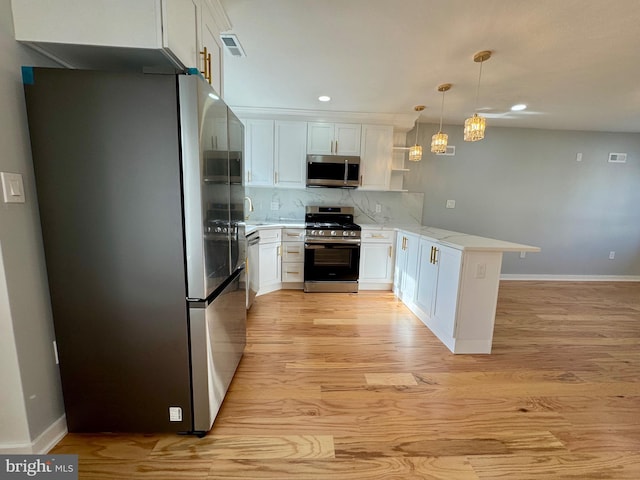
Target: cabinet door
(376, 155)
(180, 33)
(270, 266)
(375, 262)
(320, 138)
(409, 281)
(209, 39)
(406, 269)
(427, 277)
(259, 152)
(347, 138)
(290, 154)
(449, 263)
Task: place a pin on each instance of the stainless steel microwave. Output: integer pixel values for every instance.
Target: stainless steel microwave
(338, 171)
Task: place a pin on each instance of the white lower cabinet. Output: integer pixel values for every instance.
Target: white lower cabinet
(453, 292)
(437, 285)
(270, 260)
(376, 260)
(293, 258)
(405, 274)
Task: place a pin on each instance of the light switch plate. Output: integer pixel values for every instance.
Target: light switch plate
(12, 187)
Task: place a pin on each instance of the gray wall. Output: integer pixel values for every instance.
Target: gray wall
(525, 186)
(30, 398)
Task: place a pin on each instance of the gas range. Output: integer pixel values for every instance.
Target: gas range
(331, 250)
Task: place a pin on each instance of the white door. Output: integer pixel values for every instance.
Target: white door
(347, 139)
(375, 262)
(427, 277)
(449, 262)
(320, 138)
(290, 154)
(376, 155)
(270, 266)
(259, 152)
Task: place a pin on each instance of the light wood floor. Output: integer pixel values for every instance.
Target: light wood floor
(353, 386)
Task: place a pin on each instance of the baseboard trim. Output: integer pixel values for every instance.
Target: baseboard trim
(41, 445)
(51, 436)
(572, 278)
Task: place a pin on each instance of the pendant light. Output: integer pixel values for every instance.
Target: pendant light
(474, 126)
(439, 140)
(415, 152)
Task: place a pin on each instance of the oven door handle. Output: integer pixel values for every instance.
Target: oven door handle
(333, 241)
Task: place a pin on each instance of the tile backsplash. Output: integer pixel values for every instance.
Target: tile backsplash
(277, 204)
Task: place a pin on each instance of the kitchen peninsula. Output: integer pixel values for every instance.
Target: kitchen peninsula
(449, 280)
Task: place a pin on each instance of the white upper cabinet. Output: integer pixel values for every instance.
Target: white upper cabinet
(259, 151)
(210, 58)
(333, 138)
(130, 34)
(376, 155)
(290, 158)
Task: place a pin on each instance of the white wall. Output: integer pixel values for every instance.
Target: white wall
(28, 372)
(525, 186)
(14, 428)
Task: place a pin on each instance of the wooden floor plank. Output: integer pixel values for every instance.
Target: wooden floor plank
(353, 386)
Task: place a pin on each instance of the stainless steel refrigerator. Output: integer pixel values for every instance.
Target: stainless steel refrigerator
(139, 186)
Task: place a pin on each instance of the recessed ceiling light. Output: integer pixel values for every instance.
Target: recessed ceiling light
(518, 107)
(324, 98)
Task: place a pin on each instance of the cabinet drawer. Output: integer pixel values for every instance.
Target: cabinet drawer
(373, 236)
(270, 235)
(293, 234)
(293, 272)
(293, 252)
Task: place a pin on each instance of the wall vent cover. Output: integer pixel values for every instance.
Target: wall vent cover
(232, 44)
(450, 152)
(617, 158)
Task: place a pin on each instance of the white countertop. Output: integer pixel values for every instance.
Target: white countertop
(457, 240)
(252, 227)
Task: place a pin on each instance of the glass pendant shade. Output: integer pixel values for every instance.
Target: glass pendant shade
(474, 128)
(439, 142)
(415, 153)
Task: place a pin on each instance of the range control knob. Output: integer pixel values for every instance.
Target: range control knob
(345, 234)
(333, 233)
(353, 234)
(320, 232)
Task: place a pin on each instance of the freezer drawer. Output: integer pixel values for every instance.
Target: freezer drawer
(218, 338)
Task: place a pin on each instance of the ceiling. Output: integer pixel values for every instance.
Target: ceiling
(575, 63)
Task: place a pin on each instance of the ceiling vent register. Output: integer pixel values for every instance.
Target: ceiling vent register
(232, 45)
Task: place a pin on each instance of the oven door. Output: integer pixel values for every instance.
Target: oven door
(331, 266)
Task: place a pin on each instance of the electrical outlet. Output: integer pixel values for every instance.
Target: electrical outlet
(451, 204)
(378, 208)
(481, 270)
(275, 206)
(612, 255)
(578, 157)
(523, 254)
